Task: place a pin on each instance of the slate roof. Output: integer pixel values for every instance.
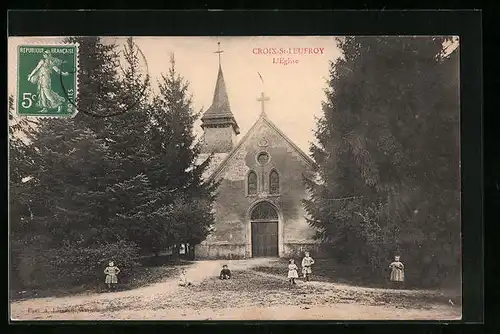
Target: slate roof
(220, 110)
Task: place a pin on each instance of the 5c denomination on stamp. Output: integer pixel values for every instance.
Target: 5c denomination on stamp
(47, 83)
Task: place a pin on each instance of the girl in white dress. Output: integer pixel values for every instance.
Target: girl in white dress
(397, 272)
(183, 280)
(111, 271)
(292, 272)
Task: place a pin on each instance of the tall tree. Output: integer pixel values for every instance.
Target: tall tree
(388, 151)
(193, 196)
(69, 189)
(125, 132)
(76, 162)
(99, 82)
(21, 166)
(176, 202)
(21, 204)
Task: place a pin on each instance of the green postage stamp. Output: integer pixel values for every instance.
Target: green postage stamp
(47, 80)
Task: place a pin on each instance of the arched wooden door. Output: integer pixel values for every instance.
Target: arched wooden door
(264, 225)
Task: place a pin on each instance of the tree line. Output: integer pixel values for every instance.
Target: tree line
(388, 158)
(91, 189)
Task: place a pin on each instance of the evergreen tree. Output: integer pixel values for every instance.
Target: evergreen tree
(387, 151)
(71, 182)
(21, 167)
(99, 82)
(115, 107)
(125, 132)
(130, 191)
(75, 168)
(193, 196)
(176, 203)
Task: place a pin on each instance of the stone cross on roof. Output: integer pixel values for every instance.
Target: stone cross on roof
(262, 99)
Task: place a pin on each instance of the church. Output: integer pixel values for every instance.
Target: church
(259, 210)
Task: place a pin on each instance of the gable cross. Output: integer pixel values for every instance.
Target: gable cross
(262, 99)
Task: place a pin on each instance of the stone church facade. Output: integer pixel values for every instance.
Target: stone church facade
(259, 211)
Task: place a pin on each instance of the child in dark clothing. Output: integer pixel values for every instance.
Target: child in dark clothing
(225, 273)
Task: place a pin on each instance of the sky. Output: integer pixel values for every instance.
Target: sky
(295, 90)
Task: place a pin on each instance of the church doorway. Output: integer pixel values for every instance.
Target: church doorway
(264, 230)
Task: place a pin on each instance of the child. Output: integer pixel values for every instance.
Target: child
(183, 281)
(292, 272)
(225, 273)
(111, 271)
(307, 262)
(397, 273)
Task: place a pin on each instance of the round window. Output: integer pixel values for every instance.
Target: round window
(263, 158)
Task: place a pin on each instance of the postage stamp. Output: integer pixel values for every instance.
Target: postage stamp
(47, 80)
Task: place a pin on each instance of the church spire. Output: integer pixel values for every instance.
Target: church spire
(220, 110)
(218, 122)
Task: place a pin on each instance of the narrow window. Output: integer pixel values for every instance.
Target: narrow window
(252, 183)
(274, 182)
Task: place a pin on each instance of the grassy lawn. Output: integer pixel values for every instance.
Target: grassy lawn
(325, 270)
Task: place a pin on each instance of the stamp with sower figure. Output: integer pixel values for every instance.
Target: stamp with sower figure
(47, 83)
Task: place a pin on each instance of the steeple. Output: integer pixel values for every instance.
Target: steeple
(218, 123)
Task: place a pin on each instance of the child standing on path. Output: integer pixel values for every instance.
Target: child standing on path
(292, 272)
(397, 273)
(307, 262)
(111, 271)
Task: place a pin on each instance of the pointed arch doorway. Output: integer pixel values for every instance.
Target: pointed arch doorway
(264, 230)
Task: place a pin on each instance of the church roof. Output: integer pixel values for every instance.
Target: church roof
(217, 159)
(263, 118)
(220, 110)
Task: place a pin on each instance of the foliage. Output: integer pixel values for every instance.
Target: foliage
(69, 265)
(102, 188)
(20, 133)
(176, 202)
(99, 82)
(388, 157)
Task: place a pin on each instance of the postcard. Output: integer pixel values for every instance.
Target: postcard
(234, 178)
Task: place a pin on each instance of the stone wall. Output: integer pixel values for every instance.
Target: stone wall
(220, 251)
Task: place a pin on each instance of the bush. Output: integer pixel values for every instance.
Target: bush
(426, 265)
(28, 262)
(72, 265)
(86, 265)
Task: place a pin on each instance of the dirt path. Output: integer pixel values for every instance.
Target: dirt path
(251, 295)
(137, 298)
(329, 312)
(359, 289)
